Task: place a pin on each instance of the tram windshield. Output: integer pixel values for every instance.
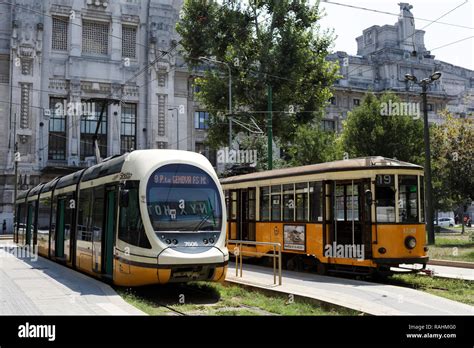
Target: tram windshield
(183, 198)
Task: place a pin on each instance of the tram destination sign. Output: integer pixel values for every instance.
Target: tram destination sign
(181, 179)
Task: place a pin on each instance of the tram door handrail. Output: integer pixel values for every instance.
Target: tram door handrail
(238, 252)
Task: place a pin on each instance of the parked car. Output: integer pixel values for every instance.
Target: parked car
(445, 222)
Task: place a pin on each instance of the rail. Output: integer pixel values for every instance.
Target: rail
(238, 252)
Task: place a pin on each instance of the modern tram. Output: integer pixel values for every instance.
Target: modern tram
(146, 217)
(362, 215)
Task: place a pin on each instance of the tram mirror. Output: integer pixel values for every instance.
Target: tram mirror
(124, 198)
(368, 197)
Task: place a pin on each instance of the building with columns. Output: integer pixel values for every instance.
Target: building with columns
(64, 62)
(384, 55)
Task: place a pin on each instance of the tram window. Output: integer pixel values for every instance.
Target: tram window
(316, 201)
(233, 203)
(264, 203)
(131, 228)
(301, 191)
(276, 203)
(385, 197)
(352, 202)
(21, 222)
(44, 211)
(340, 203)
(83, 222)
(252, 203)
(422, 198)
(98, 213)
(408, 198)
(227, 203)
(288, 202)
(31, 222)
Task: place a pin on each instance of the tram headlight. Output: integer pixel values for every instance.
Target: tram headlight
(410, 242)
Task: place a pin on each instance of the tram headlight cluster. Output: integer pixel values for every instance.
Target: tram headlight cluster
(410, 242)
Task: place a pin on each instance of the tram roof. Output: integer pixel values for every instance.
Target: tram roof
(335, 166)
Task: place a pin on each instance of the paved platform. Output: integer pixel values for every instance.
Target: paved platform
(29, 287)
(366, 297)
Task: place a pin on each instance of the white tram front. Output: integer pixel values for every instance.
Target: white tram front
(146, 217)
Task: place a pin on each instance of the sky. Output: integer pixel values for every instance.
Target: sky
(348, 23)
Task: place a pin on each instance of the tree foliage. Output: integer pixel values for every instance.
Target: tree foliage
(313, 145)
(452, 149)
(369, 133)
(264, 42)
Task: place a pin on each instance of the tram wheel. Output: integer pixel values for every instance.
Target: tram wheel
(291, 264)
(321, 268)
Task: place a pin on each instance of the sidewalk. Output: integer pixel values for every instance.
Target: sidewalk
(29, 287)
(366, 297)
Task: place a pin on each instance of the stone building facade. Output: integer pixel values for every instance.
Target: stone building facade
(64, 62)
(384, 55)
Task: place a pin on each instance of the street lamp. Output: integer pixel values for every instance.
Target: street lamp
(230, 94)
(426, 133)
(177, 125)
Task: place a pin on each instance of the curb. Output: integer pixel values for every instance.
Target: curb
(458, 264)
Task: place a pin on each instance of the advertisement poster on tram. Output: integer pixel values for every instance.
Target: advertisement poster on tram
(294, 237)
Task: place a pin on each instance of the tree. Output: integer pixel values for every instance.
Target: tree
(314, 145)
(377, 128)
(453, 162)
(265, 43)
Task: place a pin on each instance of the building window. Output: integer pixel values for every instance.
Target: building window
(128, 128)
(59, 34)
(328, 125)
(57, 130)
(332, 100)
(201, 120)
(162, 144)
(429, 107)
(88, 127)
(368, 38)
(129, 41)
(356, 102)
(95, 37)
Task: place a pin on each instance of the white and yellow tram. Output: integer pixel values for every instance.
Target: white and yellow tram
(146, 217)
